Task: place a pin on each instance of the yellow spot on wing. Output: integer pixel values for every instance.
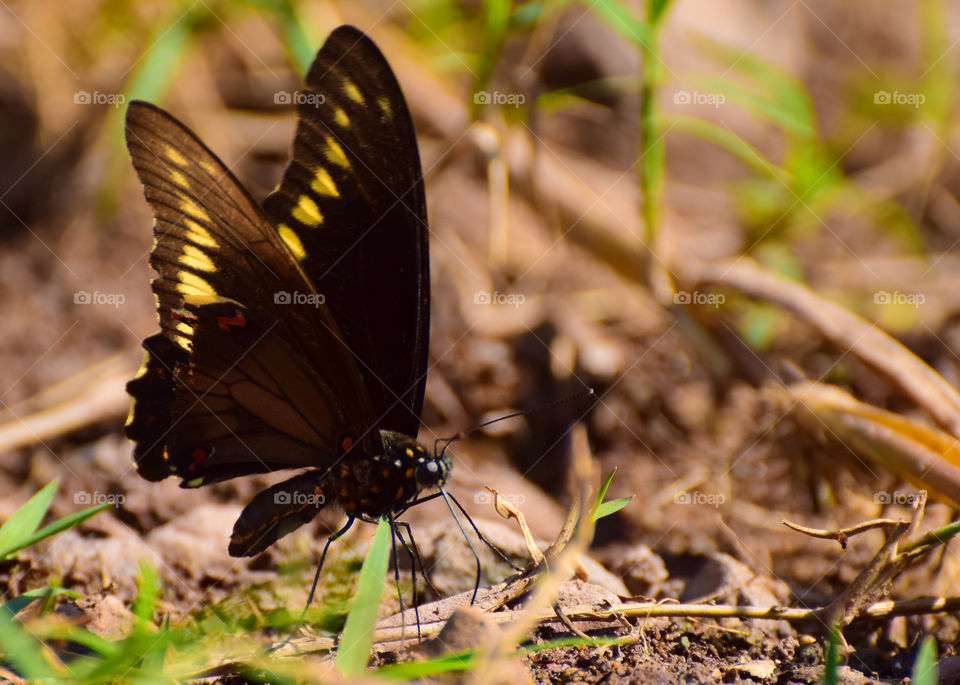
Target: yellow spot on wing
(179, 178)
(341, 117)
(174, 155)
(307, 212)
(197, 291)
(190, 207)
(190, 281)
(292, 241)
(133, 408)
(209, 168)
(197, 259)
(352, 92)
(323, 184)
(184, 328)
(384, 103)
(198, 234)
(409, 452)
(184, 343)
(195, 483)
(335, 154)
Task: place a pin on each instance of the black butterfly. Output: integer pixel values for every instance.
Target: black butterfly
(293, 336)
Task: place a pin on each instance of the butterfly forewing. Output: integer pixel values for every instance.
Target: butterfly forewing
(351, 208)
(242, 379)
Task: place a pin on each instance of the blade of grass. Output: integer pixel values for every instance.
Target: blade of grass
(925, 671)
(357, 636)
(831, 662)
(601, 508)
(56, 527)
(21, 602)
(24, 521)
(23, 650)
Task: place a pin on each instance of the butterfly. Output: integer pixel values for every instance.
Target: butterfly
(293, 335)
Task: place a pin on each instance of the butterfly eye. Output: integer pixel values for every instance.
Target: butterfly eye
(429, 474)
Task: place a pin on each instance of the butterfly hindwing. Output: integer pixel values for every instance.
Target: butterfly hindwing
(352, 198)
(240, 380)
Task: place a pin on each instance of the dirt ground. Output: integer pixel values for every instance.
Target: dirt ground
(537, 295)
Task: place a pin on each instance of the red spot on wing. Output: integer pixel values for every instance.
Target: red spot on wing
(238, 319)
(347, 443)
(198, 454)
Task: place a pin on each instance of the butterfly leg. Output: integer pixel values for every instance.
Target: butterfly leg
(476, 557)
(394, 532)
(415, 560)
(499, 552)
(316, 581)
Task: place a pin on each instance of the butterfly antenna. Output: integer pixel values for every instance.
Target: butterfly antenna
(589, 392)
(313, 587)
(476, 557)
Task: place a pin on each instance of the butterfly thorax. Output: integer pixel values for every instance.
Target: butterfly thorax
(370, 486)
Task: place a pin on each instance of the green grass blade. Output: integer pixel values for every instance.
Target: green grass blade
(617, 16)
(601, 508)
(656, 9)
(357, 636)
(148, 586)
(19, 527)
(611, 507)
(925, 671)
(57, 526)
(831, 662)
(158, 61)
(21, 602)
(446, 663)
(295, 37)
(604, 487)
(728, 140)
(23, 650)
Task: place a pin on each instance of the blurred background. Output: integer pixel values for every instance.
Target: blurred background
(577, 160)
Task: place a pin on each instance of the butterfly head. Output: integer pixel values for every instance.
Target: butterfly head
(428, 471)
